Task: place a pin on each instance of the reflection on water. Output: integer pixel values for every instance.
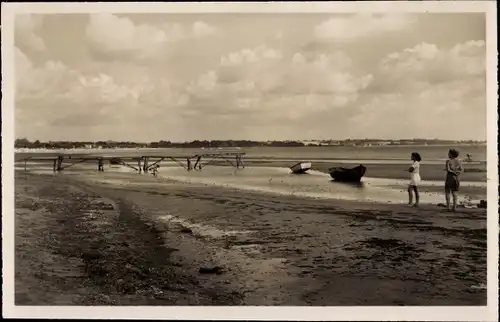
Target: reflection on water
(313, 184)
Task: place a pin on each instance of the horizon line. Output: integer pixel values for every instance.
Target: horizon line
(256, 141)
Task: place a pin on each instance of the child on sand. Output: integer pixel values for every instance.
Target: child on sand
(414, 179)
(452, 183)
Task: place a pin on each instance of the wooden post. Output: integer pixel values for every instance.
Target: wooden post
(139, 165)
(59, 163)
(188, 164)
(197, 161)
(25, 164)
(55, 165)
(240, 162)
(145, 167)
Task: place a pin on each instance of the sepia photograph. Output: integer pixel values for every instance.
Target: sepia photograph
(286, 156)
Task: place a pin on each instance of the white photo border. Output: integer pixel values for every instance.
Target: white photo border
(455, 313)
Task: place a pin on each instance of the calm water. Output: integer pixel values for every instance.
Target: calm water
(428, 153)
(315, 184)
(274, 180)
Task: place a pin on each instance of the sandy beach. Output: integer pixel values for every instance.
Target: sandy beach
(89, 238)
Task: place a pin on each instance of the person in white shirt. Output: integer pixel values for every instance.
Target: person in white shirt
(414, 179)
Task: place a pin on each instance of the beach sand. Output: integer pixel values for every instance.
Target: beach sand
(84, 239)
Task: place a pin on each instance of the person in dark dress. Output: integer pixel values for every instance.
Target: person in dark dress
(452, 182)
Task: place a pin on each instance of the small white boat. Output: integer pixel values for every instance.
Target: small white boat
(301, 167)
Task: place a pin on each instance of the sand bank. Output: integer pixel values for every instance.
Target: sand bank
(143, 241)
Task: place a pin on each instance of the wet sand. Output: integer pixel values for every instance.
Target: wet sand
(82, 239)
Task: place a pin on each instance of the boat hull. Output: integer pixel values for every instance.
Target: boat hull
(301, 167)
(115, 161)
(348, 175)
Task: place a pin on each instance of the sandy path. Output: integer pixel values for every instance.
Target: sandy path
(289, 251)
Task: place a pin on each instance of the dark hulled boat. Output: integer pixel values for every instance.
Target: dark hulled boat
(348, 175)
(115, 161)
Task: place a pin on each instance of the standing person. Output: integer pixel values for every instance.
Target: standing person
(452, 183)
(414, 179)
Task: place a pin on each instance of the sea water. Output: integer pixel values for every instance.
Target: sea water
(314, 184)
(281, 181)
(278, 180)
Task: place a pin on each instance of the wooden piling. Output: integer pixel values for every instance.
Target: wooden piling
(196, 164)
(59, 163)
(145, 166)
(100, 164)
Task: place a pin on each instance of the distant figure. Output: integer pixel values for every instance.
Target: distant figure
(155, 170)
(469, 157)
(100, 165)
(452, 183)
(414, 179)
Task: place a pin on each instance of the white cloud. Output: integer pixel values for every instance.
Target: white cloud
(424, 59)
(202, 29)
(266, 85)
(117, 37)
(353, 27)
(247, 55)
(61, 96)
(427, 91)
(261, 80)
(26, 27)
(455, 110)
(22, 65)
(426, 63)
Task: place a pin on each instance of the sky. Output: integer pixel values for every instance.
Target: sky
(182, 77)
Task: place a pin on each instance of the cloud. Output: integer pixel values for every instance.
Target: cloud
(114, 37)
(427, 91)
(62, 96)
(352, 27)
(149, 78)
(202, 29)
(26, 27)
(22, 65)
(267, 85)
(426, 63)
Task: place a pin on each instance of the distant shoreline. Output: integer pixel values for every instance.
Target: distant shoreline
(21, 150)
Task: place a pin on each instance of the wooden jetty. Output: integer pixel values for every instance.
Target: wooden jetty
(139, 163)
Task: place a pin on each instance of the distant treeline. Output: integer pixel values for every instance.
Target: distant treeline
(25, 143)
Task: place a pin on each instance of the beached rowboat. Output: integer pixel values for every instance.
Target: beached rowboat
(348, 175)
(301, 167)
